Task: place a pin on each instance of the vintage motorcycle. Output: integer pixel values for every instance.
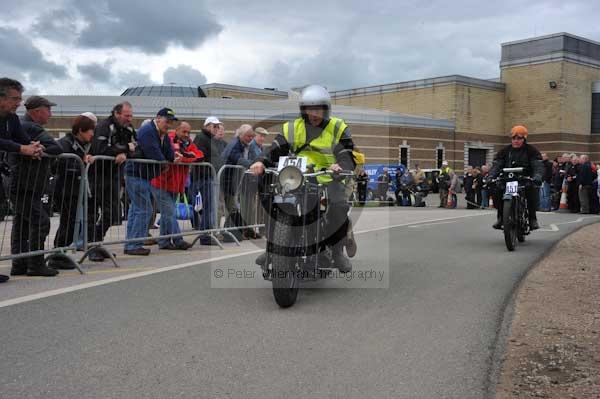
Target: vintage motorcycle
(515, 216)
(297, 207)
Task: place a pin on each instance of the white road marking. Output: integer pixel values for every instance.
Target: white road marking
(553, 227)
(83, 286)
(423, 221)
(430, 224)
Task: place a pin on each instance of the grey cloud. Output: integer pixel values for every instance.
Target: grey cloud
(355, 43)
(386, 42)
(132, 78)
(146, 25)
(21, 55)
(99, 73)
(184, 75)
(57, 24)
(101, 76)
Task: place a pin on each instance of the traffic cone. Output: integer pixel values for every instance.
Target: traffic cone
(490, 202)
(563, 207)
(449, 202)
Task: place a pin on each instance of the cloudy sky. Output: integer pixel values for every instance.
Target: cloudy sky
(104, 46)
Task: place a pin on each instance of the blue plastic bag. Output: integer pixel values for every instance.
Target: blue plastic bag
(183, 210)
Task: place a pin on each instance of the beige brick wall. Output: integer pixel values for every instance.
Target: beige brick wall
(479, 110)
(436, 102)
(577, 98)
(474, 110)
(529, 99)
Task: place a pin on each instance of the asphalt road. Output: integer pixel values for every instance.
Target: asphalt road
(429, 334)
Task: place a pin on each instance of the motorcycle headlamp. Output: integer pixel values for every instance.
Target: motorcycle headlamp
(290, 178)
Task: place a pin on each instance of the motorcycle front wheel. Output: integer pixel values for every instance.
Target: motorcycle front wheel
(510, 225)
(285, 273)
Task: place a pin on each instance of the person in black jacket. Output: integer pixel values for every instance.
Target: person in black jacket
(468, 183)
(362, 180)
(546, 189)
(202, 179)
(586, 180)
(520, 154)
(113, 137)
(573, 184)
(69, 174)
(29, 182)
(13, 138)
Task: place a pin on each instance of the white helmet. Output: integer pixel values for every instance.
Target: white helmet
(315, 95)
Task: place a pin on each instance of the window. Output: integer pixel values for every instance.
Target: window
(404, 156)
(439, 157)
(596, 113)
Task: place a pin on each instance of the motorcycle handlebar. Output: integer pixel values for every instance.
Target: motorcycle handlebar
(344, 173)
(496, 179)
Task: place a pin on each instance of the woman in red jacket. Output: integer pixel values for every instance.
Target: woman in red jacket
(172, 181)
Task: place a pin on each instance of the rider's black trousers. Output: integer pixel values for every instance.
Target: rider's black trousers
(337, 214)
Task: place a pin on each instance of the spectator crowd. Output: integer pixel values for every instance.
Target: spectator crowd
(570, 182)
(132, 175)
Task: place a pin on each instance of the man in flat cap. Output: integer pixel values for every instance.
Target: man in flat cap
(30, 179)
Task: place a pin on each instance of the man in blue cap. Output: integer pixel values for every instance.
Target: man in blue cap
(154, 144)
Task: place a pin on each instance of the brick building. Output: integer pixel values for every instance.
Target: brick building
(551, 84)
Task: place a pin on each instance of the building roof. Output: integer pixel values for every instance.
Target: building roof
(550, 48)
(162, 91)
(420, 84)
(233, 109)
(245, 89)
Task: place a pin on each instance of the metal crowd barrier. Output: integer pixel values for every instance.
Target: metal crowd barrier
(32, 192)
(243, 213)
(59, 205)
(129, 200)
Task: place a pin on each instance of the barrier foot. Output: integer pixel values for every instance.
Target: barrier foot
(211, 236)
(63, 259)
(108, 255)
(232, 237)
(101, 250)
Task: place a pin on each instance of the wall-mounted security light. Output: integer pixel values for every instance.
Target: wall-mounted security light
(552, 84)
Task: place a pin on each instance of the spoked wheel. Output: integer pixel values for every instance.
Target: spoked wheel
(510, 225)
(285, 273)
(523, 223)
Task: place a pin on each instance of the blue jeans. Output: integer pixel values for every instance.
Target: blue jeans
(140, 210)
(485, 198)
(206, 221)
(545, 197)
(165, 201)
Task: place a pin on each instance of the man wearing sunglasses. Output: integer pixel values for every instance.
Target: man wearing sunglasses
(520, 154)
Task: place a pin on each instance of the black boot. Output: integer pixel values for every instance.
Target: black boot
(96, 256)
(533, 224)
(498, 224)
(3, 278)
(262, 258)
(19, 267)
(339, 259)
(41, 270)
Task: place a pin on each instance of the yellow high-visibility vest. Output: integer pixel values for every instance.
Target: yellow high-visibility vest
(320, 151)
